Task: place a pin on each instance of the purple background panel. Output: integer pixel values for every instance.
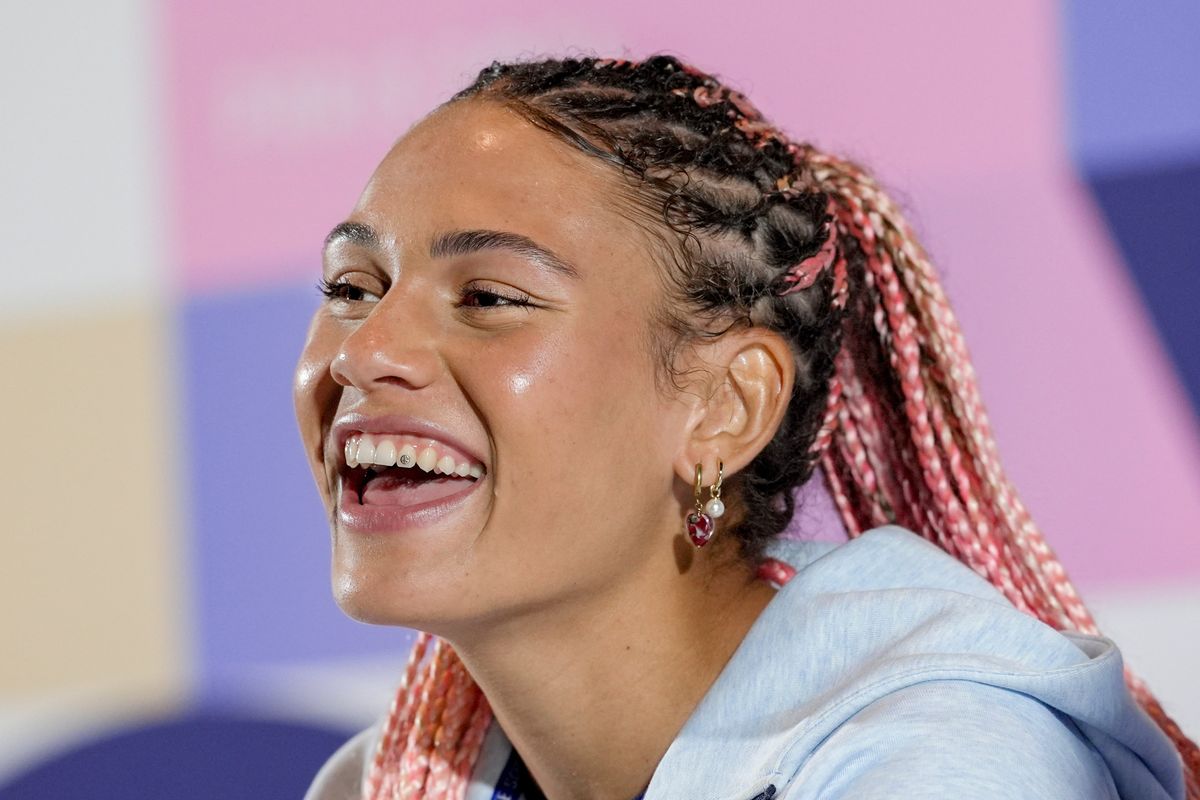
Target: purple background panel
(193, 757)
(260, 542)
(1152, 214)
(1133, 70)
(1135, 132)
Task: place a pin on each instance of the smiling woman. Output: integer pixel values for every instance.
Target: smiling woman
(589, 325)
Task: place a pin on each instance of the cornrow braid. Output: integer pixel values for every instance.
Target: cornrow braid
(885, 399)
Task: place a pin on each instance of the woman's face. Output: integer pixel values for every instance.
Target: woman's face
(427, 345)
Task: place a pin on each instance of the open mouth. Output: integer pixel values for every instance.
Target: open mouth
(376, 485)
(403, 471)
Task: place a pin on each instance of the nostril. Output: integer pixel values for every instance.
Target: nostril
(340, 370)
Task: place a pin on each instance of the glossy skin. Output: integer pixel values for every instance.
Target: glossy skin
(566, 578)
(558, 399)
(564, 582)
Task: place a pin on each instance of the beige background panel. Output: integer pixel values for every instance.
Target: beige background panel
(91, 597)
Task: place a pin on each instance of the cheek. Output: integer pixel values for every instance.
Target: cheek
(569, 382)
(564, 409)
(314, 392)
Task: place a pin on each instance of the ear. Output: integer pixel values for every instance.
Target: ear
(750, 373)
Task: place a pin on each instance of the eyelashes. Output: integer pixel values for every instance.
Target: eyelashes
(517, 300)
(343, 290)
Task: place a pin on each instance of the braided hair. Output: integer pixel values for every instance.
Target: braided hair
(758, 230)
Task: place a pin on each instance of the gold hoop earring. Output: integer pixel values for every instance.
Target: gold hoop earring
(699, 525)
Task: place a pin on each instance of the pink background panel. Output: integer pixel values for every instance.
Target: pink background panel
(282, 112)
(1091, 422)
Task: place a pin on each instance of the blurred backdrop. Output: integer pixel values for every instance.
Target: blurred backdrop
(168, 171)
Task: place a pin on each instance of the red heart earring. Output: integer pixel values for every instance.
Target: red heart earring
(700, 526)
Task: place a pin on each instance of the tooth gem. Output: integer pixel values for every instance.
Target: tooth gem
(699, 528)
(407, 456)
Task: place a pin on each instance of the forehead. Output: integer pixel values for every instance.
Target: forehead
(479, 164)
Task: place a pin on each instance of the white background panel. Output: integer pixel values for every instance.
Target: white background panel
(1156, 628)
(80, 213)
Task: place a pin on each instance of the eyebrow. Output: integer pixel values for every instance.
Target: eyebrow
(354, 232)
(465, 242)
(461, 243)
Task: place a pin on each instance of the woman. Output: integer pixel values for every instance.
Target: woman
(588, 327)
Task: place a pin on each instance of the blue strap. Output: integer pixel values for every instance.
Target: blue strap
(511, 785)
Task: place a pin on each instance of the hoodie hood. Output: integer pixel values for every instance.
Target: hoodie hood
(867, 618)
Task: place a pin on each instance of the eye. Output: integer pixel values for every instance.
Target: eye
(343, 289)
(478, 297)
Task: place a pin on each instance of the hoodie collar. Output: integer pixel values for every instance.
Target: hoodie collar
(688, 768)
(735, 717)
(859, 620)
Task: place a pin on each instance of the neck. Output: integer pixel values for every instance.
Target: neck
(592, 692)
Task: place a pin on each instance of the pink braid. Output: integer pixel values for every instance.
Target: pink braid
(434, 731)
(399, 720)
(966, 504)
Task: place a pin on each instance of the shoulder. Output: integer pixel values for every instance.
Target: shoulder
(345, 773)
(885, 557)
(955, 738)
(893, 605)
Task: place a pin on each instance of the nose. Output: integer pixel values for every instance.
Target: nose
(388, 348)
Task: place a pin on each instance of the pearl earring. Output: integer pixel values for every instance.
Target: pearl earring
(700, 526)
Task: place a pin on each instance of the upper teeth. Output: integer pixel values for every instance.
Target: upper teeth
(408, 451)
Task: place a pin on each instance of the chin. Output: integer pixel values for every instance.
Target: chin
(375, 600)
(376, 595)
(360, 603)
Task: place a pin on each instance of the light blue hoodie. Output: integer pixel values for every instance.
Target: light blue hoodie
(886, 668)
